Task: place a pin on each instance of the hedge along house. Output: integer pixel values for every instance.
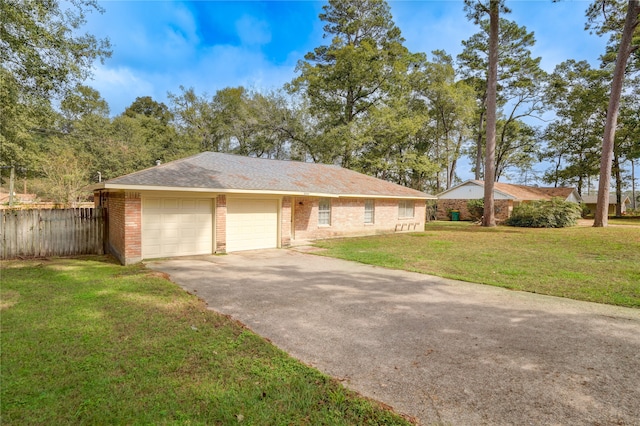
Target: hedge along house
(506, 197)
(215, 203)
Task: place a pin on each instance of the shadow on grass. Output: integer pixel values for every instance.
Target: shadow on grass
(464, 354)
(90, 341)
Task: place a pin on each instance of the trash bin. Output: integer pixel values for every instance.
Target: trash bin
(455, 215)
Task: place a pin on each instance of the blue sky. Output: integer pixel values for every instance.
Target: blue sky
(209, 45)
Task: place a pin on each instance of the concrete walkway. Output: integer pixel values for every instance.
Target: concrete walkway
(443, 351)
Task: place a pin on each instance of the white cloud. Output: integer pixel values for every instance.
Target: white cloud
(225, 66)
(253, 31)
(430, 25)
(120, 86)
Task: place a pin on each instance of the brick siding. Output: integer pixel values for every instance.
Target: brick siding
(115, 212)
(125, 232)
(285, 222)
(347, 218)
(221, 224)
(133, 227)
(502, 209)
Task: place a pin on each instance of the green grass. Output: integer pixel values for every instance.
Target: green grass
(86, 341)
(585, 263)
(624, 220)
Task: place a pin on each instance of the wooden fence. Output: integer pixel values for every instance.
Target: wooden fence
(52, 232)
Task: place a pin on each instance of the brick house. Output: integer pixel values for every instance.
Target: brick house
(215, 203)
(506, 197)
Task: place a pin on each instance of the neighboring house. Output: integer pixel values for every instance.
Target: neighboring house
(506, 196)
(590, 201)
(215, 203)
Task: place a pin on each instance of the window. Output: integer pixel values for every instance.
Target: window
(369, 211)
(324, 211)
(405, 209)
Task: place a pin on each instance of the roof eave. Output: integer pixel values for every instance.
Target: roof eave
(123, 187)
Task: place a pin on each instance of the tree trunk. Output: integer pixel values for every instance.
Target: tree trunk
(625, 49)
(633, 184)
(479, 144)
(616, 170)
(454, 160)
(489, 218)
(580, 182)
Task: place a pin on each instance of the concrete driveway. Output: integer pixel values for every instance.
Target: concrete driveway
(443, 351)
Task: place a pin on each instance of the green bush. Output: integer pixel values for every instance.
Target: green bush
(555, 213)
(476, 208)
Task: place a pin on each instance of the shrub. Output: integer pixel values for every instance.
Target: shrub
(476, 208)
(556, 213)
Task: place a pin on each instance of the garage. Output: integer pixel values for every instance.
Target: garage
(176, 227)
(251, 224)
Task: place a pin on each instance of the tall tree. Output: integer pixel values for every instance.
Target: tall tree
(520, 81)
(627, 141)
(397, 143)
(194, 119)
(41, 47)
(578, 94)
(43, 55)
(146, 106)
(475, 10)
(24, 119)
(343, 81)
(241, 121)
(492, 83)
(254, 124)
(629, 42)
(517, 146)
(450, 106)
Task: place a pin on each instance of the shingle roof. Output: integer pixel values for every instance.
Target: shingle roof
(218, 171)
(593, 199)
(523, 192)
(529, 193)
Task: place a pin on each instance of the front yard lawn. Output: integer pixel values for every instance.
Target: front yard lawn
(585, 263)
(86, 341)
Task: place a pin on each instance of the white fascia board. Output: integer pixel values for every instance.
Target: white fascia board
(120, 187)
(108, 186)
(396, 197)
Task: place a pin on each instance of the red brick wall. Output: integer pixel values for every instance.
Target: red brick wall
(502, 209)
(347, 218)
(115, 214)
(221, 224)
(285, 222)
(125, 231)
(132, 227)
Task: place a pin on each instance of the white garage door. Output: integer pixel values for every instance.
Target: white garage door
(176, 227)
(251, 224)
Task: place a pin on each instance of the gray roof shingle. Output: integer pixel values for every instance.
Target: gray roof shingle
(593, 199)
(523, 192)
(218, 171)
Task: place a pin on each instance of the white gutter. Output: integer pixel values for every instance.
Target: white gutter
(108, 186)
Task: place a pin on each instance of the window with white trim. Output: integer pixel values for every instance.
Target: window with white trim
(324, 211)
(405, 209)
(369, 211)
